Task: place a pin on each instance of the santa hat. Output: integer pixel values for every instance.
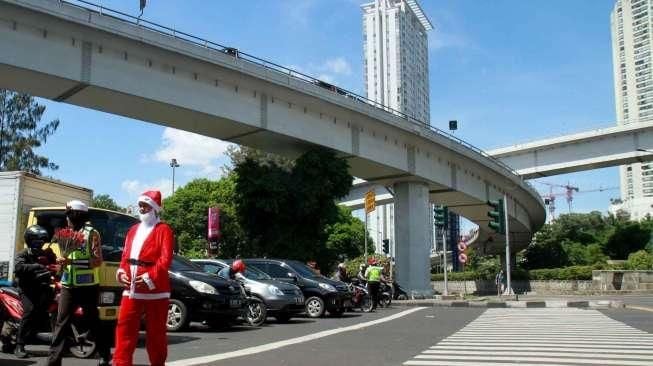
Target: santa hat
(152, 198)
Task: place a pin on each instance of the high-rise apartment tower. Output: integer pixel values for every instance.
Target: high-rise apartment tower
(631, 24)
(395, 47)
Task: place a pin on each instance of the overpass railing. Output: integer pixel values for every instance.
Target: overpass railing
(269, 65)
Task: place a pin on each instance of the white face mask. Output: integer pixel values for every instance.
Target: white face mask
(149, 218)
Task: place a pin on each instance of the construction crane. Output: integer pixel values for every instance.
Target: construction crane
(549, 198)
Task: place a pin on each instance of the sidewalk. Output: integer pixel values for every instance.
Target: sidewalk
(638, 302)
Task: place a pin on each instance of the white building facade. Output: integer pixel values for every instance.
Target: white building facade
(631, 25)
(395, 52)
(395, 49)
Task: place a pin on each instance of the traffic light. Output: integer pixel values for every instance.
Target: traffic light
(497, 215)
(386, 246)
(441, 216)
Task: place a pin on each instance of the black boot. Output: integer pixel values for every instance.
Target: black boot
(20, 351)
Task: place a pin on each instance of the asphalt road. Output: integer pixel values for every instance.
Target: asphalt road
(386, 337)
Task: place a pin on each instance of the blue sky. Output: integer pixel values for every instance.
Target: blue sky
(509, 71)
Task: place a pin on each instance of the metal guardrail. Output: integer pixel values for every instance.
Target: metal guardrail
(202, 42)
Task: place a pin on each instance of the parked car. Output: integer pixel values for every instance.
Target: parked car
(200, 296)
(282, 300)
(321, 293)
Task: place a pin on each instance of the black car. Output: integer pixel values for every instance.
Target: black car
(200, 296)
(321, 293)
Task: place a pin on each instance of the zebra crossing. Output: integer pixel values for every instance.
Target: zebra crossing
(539, 337)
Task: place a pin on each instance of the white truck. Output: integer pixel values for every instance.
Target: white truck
(19, 193)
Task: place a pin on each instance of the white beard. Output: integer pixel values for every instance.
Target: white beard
(149, 219)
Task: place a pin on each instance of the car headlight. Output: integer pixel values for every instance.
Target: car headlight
(275, 290)
(203, 287)
(327, 287)
(107, 297)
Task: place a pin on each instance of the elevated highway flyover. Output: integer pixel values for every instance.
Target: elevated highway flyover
(586, 150)
(104, 60)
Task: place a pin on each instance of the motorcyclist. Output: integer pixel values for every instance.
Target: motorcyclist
(233, 272)
(361, 273)
(341, 273)
(34, 267)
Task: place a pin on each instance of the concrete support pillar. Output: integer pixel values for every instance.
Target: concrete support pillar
(412, 238)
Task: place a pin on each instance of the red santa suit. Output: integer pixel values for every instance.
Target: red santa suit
(147, 253)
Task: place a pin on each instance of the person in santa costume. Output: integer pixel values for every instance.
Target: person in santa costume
(144, 273)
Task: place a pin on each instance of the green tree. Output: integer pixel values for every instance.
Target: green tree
(640, 260)
(285, 209)
(627, 238)
(21, 133)
(546, 250)
(105, 201)
(346, 236)
(187, 212)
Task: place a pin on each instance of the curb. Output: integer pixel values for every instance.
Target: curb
(591, 304)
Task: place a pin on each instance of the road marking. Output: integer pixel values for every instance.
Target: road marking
(541, 337)
(288, 342)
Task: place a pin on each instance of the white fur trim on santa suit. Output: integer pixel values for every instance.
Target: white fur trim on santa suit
(150, 202)
(142, 232)
(139, 296)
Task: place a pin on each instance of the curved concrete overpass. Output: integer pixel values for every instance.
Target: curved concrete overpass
(76, 55)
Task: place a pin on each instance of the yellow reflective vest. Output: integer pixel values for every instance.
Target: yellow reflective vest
(80, 271)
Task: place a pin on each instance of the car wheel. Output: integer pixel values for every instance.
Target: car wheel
(283, 317)
(177, 316)
(314, 307)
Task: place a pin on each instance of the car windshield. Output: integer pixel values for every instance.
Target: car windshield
(254, 273)
(181, 264)
(112, 226)
(302, 269)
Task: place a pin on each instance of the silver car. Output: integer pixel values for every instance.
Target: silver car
(282, 300)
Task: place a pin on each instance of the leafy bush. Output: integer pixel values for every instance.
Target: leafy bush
(553, 274)
(640, 260)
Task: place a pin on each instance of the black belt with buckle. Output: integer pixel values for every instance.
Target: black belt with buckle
(136, 262)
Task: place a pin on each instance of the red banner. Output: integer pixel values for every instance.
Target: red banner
(213, 232)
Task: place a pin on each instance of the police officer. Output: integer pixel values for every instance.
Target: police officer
(80, 285)
(33, 267)
(374, 276)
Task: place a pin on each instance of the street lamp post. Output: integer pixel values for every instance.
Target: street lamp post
(173, 165)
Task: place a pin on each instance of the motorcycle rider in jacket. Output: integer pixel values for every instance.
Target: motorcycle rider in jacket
(33, 268)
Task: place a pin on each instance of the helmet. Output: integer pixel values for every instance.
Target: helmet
(373, 261)
(238, 266)
(35, 236)
(341, 266)
(362, 266)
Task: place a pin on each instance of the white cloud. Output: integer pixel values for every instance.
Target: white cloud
(198, 156)
(338, 65)
(190, 148)
(134, 188)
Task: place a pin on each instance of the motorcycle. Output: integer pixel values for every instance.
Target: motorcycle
(398, 293)
(361, 298)
(79, 341)
(255, 312)
(385, 295)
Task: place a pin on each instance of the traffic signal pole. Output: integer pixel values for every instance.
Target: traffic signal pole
(505, 213)
(365, 236)
(444, 261)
